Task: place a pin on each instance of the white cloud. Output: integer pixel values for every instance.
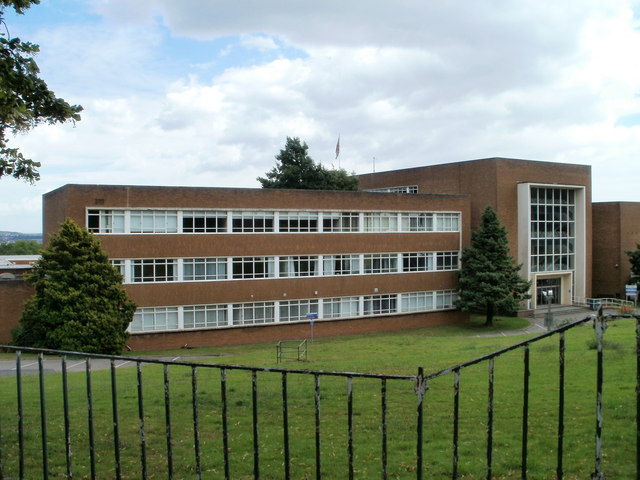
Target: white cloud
(259, 42)
(407, 82)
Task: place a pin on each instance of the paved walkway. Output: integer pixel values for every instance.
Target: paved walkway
(29, 366)
(536, 322)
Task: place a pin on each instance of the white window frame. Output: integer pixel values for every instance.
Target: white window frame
(154, 270)
(212, 221)
(374, 263)
(204, 269)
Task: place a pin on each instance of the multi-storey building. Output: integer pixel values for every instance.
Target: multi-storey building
(545, 207)
(617, 232)
(228, 265)
(215, 265)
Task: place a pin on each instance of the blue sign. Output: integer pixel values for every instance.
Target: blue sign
(312, 316)
(631, 290)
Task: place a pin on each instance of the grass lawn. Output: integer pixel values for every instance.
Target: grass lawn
(398, 353)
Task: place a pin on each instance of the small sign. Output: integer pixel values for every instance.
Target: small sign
(312, 316)
(631, 290)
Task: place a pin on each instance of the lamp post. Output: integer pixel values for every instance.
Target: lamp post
(548, 316)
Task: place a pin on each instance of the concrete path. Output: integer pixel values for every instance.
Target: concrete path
(29, 365)
(536, 322)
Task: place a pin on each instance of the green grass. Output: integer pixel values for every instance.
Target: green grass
(394, 353)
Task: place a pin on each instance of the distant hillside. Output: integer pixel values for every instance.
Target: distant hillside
(10, 237)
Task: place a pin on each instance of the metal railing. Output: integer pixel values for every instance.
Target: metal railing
(595, 303)
(173, 419)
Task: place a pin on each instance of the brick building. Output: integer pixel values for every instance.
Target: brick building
(14, 291)
(219, 266)
(227, 265)
(618, 231)
(545, 207)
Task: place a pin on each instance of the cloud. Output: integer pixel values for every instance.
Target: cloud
(204, 93)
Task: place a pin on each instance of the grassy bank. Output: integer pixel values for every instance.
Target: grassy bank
(396, 353)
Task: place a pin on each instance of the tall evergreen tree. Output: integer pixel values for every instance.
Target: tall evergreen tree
(489, 282)
(295, 169)
(79, 303)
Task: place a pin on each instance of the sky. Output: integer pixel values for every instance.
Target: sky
(205, 93)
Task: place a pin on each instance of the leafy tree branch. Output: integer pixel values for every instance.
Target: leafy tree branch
(25, 98)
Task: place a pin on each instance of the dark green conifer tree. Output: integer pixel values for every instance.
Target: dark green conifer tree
(79, 303)
(295, 169)
(489, 282)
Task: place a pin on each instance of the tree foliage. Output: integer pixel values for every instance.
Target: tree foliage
(489, 282)
(20, 247)
(79, 303)
(634, 260)
(25, 99)
(295, 169)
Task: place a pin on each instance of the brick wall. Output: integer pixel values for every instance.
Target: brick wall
(13, 294)
(295, 331)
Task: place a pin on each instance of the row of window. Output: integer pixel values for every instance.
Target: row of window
(237, 268)
(402, 189)
(553, 214)
(218, 221)
(256, 313)
(553, 196)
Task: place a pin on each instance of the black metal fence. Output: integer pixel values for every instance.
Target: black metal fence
(126, 417)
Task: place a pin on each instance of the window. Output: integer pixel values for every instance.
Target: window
(204, 269)
(298, 222)
(447, 261)
(340, 222)
(380, 222)
(153, 270)
(417, 262)
(380, 263)
(417, 222)
(446, 299)
(416, 301)
(155, 318)
(379, 304)
(119, 265)
(295, 310)
(341, 265)
(552, 229)
(340, 307)
(204, 222)
(253, 222)
(298, 266)
(253, 313)
(203, 316)
(105, 221)
(403, 189)
(154, 221)
(447, 222)
(253, 267)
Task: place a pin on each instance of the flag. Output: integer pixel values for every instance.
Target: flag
(338, 147)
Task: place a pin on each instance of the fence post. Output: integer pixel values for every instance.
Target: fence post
(600, 326)
(421, 387)
(637, 317)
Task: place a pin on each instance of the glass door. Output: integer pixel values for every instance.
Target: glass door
(548, 291)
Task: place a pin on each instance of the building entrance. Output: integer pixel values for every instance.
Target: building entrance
(548, 291)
